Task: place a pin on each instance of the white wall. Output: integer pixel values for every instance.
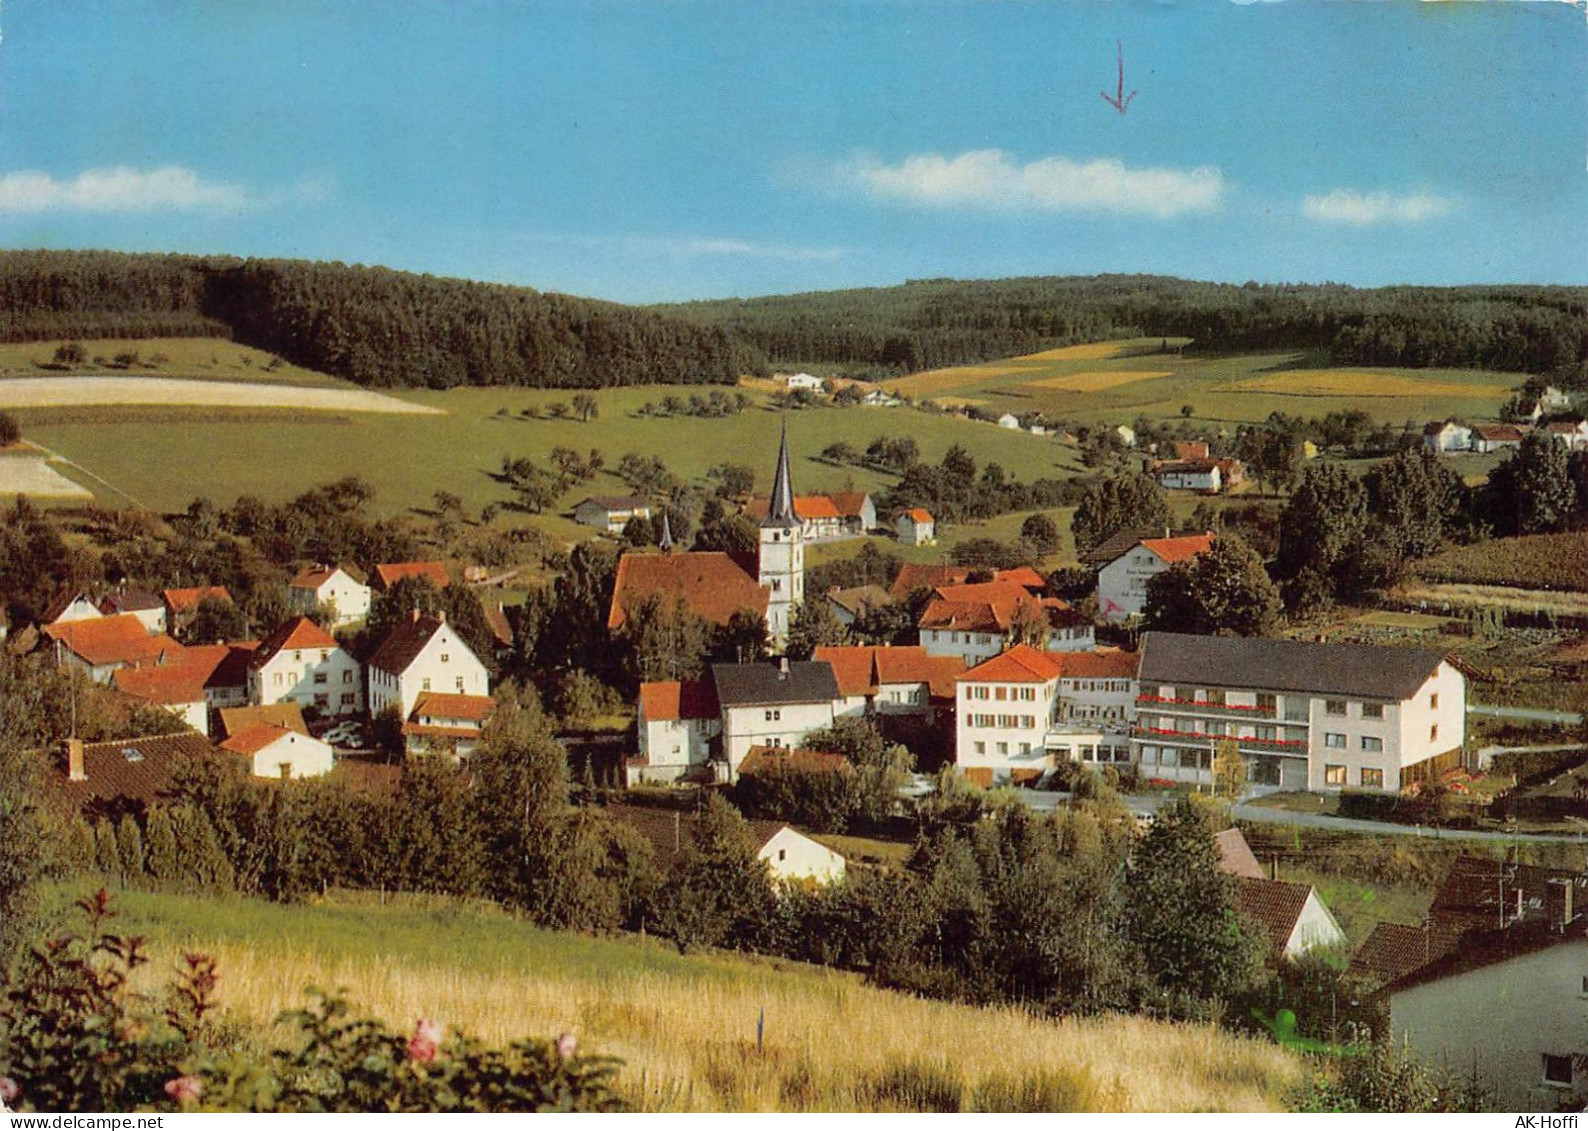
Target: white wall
(793, 856)
(1003, 735)
(350, 598)
(305, 675)
(1315, 929)
(1505, 1017)
(972, 647)
(1122, 583)
(674, 745)
(445, 664)
(307, 757)
(744, 727)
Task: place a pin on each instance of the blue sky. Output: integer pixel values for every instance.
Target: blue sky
(658, 151)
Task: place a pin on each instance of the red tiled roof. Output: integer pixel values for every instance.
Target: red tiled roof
(1236, 857)
(146, 775)
(1101, 663)
(1275, 905)
(673, 700)
(390, 573)
(170, 684)
(990, 606)
(287, 715)
(448, 705)
(1394, 950)
(501, 628)
(404, 643)
(805, 506)
(128, 600)
(1498, 432)
(1180, 549)
(861, 669)
(1191, 449)
(255, 738)
(915, 575)
(918, 515)
(299, 632)
(712, 585)
(113, 640)
(774, 759)
(1020, 664)
(62, 603)
(850, 504)
(314, 576)
(186, 600)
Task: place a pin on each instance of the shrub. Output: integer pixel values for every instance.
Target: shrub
(79, 1038)
(10, 430)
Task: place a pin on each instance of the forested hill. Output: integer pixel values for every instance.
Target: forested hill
(936, 322)
(368, 324)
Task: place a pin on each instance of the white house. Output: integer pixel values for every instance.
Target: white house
(278, 752)
(447, 723)
(179, 688)
(69, 607)
(916, 527)
(1572, 433)
(146, 606)
(303, 663)
(1187, 474)
(1320, 717)
(1553, 400)
(849, 605)
(423, 653)
(880, 398)
(1126, 434)
(1497, 437)
(1009, 420)
(1122, 583)
(771, 705)
(1446, 436)
(978, 620)
(611, 512)
(336, 586)
(803, 381)
(677, 723)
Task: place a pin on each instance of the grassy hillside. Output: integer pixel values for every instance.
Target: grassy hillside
(204, 359)
(686, 1025)
(1082, 384)
(166, 457)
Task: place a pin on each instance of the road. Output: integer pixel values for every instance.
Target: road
(1044, 802)
(1531, 714)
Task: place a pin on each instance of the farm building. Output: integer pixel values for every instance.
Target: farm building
(611, 512)
(916, 527)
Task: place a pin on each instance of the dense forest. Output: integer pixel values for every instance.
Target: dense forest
(391, 328)
(929, 323)
(370, 325)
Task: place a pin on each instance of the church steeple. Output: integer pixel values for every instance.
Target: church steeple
(780, 510)
(665, 542)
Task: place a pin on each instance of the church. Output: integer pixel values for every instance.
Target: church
(718, 585)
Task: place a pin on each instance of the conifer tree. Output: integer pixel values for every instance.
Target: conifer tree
(129, 847)
(107, 857)
(160, 851)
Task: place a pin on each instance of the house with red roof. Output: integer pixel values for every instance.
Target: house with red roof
(679, 725)
(388, 574)
(182, 604)
(280, 752)
(69, 606)
(447, 723)
(913, 576)
(819, 516)
(423, 654)
(1024, 711)
(302, 663)
(146, 606)
(1122, 582)
(179, 688)
(916, 527)
(1291, 918)
(876, 679)
(102, 645)
(977, 620)
(340, 587)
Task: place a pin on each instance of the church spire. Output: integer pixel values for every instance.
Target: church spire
(780, 510)
(666, 540)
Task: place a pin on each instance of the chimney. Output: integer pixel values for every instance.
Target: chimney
(782, 668)
(74, 760)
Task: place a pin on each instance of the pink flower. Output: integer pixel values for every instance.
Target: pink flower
(8, 1090)
(425, 1042)
(185, 1089)
(566, 1044)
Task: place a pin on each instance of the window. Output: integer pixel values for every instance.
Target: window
(1372, 710)
(1372, 745)
(297, 657)
(1433, 701)
(1372, 779)
(1028, 721)
(278, 679)
(1334, 741)
(782, 854)
(1000, 693)
(774, 716)
(1334, 775)
(426, 685)
(445, 657)
(324, 655)
(321, 677)
(777, 585)
(322, 700)
(981, 748)
(1266, 702)
(1433, 733)
(1215, 698)
(1025, 748)
(347, 699)
(1335, 707)
(1557, 1070)
(459, 683)
(347, 676)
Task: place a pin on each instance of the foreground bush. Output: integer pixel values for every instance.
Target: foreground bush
(76, 1036)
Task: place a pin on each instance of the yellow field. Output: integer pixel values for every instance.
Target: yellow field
(958, 402)
(931, 381)
(832, 1043)
(1096, 380)
(1363, 383)
(1090, 351)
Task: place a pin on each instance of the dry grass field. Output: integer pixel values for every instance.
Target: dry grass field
(685, 1026)
(933, 381)
(32, 475)
(74, 392)
(1364, 383)
(1095, 381)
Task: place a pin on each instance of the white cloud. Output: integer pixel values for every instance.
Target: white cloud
(992, 179)
(120, 189)
(1361, 209)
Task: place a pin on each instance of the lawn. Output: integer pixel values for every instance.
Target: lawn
(167, 460)
(686, 1026)
(205, 359)
(1099, 384)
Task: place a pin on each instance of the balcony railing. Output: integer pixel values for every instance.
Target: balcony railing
(1200, 736)
(1243, 710)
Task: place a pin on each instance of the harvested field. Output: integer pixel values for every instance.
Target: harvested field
(959, 402)
(64, 392)
(1096, 380)
(1101, 351)
(1364, 383)
(33, 476)
(938, 380)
